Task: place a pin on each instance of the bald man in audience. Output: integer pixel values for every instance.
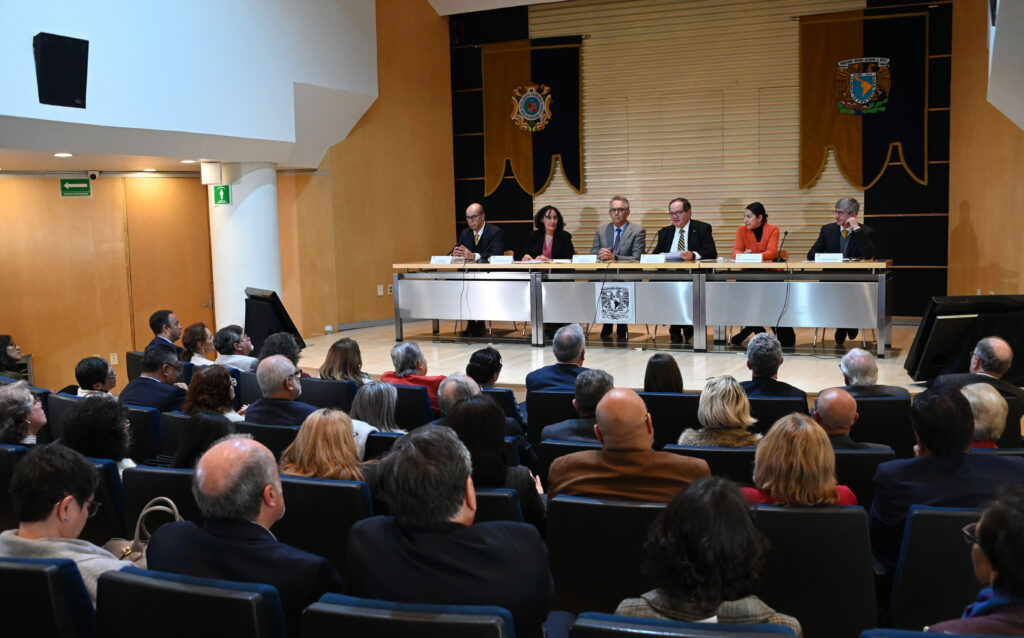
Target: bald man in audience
(860, 374)
(836, 412)
(238, 491)
(280, 382)
(626, 467)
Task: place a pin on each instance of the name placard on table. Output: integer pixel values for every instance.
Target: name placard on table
(652, 259)
(500, 259)
(749, 258)
(584, 259)
(443, 260)
(828, 258)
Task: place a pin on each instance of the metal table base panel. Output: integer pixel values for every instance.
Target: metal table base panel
(799, 304)
(465, 300)
(656, 301)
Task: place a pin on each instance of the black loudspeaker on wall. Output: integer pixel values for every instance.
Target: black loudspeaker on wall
(62, 64)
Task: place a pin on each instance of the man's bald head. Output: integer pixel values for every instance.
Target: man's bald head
(992, 356)
(835, 410)
(231, 476)
(623, 422)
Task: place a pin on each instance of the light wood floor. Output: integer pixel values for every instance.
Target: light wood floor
(809, 368)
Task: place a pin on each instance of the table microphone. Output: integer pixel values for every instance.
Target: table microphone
(781, 244)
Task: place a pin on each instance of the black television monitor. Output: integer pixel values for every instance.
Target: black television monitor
(951, 326)
(265, 315)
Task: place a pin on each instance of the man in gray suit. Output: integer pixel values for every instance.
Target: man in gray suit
(618, 241)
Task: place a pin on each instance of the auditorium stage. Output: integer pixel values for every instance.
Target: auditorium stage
(809, 368)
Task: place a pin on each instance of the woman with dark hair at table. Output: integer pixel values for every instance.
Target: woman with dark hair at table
(757, 236)
(11, 365)
(549, 240)
(705, 555)
(663, 374)
(480, 424)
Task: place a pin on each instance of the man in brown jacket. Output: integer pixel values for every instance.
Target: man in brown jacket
(626, 467)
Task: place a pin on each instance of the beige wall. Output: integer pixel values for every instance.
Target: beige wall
(986, 152)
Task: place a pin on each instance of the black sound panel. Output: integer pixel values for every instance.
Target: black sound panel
(62, 66)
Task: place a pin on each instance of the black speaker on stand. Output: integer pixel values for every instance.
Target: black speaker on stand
(62, 66)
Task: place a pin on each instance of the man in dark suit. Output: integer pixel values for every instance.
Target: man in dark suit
(685, 239)
(479, 242)
(569, 351)
(591, 386)
(166, 330)
(625, 467)
(836, 412)
(845, 236)
(860, 374)
(942, 473)
(280, 383)
(429, 550)
(764, 357)
(157, 386)
(618, 241)
(238, 491)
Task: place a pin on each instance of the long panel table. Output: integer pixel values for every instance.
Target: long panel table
(796, 294)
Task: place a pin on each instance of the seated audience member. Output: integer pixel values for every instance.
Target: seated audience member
(238, 491)
(997, 554)
(705, 555)
(591, 386)
(836, 412)
(480, 424)
(567, 346)
(860, 374)
(990, 360)
(280, 385)
(942, 474)
(157, 386)
(484, 367)
(794, 465)
(166, 330)
(197, 341)
(411, 369)
(724, 415)
(98, 427)
(663, 374)
(94, 376)
(21, 415)
(53, 490)
(989, 410)
(233, 349)
(344, 362)
(201, 431)
(284, 344)
(212, 389)
(626, 467)
(429, 550)
(374, 404)
(11, 365)
(764, 357)
(325, 448)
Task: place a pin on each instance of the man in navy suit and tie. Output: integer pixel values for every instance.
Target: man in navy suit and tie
(238, 491)
(157, 386)
(685, 239)
(479, 242)
(166, 330)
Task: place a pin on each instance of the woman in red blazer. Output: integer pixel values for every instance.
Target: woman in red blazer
(756, 235)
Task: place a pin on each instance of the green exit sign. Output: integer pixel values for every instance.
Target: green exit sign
(222, 194)
(75, 188)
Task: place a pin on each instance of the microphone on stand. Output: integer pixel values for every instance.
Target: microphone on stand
(781, 244)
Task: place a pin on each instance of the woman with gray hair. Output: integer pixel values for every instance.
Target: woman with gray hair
(989, 409)
(724, 413)
(374, 405)
(411, 369)
(21, 415)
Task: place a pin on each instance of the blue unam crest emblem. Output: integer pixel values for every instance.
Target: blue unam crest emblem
(863, 85)
(531, 107)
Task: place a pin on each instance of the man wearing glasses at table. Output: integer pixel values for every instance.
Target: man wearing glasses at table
(618, 241)
(685, 239)
(479, 242)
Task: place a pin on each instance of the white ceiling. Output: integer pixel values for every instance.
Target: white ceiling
(40, 161)
(451, 7)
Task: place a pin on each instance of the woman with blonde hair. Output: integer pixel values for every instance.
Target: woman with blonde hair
(344, 362)
(724, 414)
(794, 465)
(324, 448)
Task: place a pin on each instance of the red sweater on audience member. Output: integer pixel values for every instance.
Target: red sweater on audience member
(755, 496)
(430, 383)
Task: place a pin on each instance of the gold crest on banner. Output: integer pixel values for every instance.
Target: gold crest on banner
(531, 107)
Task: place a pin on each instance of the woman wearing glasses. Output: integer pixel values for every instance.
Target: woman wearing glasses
(549, 240)
(997, 552)
(53, 490)
(21, 415)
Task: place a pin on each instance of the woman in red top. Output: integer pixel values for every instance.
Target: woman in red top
(794, 465)
(756, 235)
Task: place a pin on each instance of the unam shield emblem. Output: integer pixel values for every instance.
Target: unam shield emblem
(615, 303)
(531, 107)
(863, 85)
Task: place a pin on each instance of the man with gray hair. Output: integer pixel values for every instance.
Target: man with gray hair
(429, 550)
(836, 412)
(411, 369)
(238, 491)
(234, 348)
(860, 374)
(618, 241)
(764, 357)
(591, 386)
(569, 352)
(989, 409)
(280, 383)
(846, 236)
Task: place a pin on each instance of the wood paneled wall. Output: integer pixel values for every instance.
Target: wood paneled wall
(986, 161)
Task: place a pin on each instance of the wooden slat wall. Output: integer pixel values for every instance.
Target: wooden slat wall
(696, 99)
